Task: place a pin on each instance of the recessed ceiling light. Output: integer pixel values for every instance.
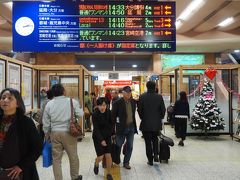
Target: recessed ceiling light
(92, 66)
(226, 22)
(134, 65)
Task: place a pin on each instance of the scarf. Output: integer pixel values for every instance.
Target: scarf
(5, 123)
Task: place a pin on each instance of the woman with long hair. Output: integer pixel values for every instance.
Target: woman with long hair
(181, 115)
(102, 132)
(20, 143)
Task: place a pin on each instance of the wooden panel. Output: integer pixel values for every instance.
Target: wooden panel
(55, 58)
(210, 58)
(71, 89)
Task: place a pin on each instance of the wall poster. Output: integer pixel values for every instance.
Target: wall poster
(53, 80)
(27, 88)
(14, 76)
(2, 75)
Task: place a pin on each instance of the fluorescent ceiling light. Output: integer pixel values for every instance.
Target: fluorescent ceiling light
(92, 66)
(134, 65)
(192, 8)
(236, 50)
(226, 22)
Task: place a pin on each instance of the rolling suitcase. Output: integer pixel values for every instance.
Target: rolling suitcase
(164, 150)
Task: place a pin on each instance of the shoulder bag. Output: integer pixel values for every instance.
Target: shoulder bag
(75, 128)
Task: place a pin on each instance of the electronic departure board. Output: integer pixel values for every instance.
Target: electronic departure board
(79, 26)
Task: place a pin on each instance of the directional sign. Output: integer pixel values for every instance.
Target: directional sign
(74, 25)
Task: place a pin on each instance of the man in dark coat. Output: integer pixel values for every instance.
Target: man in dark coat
(123, 114)
(151, 110)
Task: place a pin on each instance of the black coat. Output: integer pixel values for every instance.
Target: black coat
(151, 110)
(102, 125)
(119, 111)
(30, 147)
(181, 108)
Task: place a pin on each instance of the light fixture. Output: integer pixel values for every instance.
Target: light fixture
(226, 22)
(134, 65)
(237, 50)
(192, 8)
(92, 66)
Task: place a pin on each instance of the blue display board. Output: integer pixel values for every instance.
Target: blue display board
(78, 26)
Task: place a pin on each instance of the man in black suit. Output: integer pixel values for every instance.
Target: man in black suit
(151, 110)
(123, 114)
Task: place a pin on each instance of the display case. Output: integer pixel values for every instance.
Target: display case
(189, 78)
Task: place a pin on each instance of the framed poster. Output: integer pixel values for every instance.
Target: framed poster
(53, 80)
(27, 87)
(2, 75)
(14, 76)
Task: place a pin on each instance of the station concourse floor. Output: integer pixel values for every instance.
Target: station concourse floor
(200, 159)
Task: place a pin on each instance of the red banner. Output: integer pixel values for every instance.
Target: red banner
(117, 83)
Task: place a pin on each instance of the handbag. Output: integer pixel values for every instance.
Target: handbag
(75, 128)
(47, 154)
(86, 112)
(115, 152)
(168, 140)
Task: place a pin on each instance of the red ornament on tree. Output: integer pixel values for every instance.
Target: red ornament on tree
(210, 72)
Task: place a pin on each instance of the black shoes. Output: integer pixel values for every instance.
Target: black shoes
(126, 166)
(96, 169)
(181, 143)
(156, 159)
(150, 163)
(109, 177)
(79, 177)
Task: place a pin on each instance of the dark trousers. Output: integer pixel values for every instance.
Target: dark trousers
(128, 135)
(181, 127)
(151, 144)
(87, 123)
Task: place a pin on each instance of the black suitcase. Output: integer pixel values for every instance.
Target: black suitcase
(164, 150)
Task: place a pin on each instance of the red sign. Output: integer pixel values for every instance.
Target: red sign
(118, 83)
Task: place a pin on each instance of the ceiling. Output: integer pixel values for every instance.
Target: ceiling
(199, 33)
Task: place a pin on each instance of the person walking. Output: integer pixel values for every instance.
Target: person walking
(181, 115)
(109, 97)
(56, 121)
(115, 96)
(88, 105)
(151, 110)
(102, 133)
(123, 114)
(20, 143)
(94, 101)
(48, 98)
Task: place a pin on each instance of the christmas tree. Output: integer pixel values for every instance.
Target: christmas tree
(206, 113)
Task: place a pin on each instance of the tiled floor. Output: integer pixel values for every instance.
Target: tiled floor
(200, 159)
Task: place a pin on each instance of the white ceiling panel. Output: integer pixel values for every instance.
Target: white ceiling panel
(231, 10)
(198, 17)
